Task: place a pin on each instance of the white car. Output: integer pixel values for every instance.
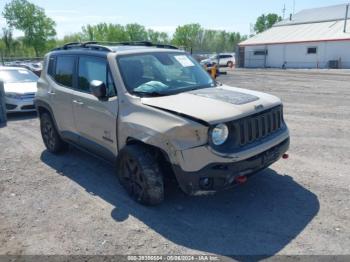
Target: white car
(225, 59)
(20, 86)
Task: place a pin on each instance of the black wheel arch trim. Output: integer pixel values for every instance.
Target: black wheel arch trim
(41, 104)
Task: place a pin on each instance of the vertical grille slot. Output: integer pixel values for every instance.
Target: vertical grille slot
(257, 129)
(250, 130)
(263, 125)
(278, 119)
(269, 123)
(241, 128)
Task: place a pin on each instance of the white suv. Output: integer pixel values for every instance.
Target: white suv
(224, 59)
(155, 112)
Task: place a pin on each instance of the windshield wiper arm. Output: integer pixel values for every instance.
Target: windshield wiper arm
(153, 93)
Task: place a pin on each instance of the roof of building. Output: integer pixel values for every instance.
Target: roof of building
(311, 25)
(321, 14)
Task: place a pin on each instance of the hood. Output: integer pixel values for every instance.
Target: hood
(20, 88)
(215, 105)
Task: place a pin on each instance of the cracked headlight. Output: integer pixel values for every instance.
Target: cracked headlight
(219, 134)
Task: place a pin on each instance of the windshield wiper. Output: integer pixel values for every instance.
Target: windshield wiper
(153, 93)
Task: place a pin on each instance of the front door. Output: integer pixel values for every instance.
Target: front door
(96, 120)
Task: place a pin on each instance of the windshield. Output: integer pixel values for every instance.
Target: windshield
(162, 73)
(17, 76)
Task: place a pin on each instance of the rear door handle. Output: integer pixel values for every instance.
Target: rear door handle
(78, 102)
(51, 93)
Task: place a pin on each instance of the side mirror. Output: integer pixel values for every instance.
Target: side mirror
(98, 89)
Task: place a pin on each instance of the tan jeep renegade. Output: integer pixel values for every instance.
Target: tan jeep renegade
(154, 112)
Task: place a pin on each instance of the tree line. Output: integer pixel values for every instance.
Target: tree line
(39, 34)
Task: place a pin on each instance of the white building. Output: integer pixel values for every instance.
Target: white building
(312, 38)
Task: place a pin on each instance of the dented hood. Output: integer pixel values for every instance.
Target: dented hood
(214, 105)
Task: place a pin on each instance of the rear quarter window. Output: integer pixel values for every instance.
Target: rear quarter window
(51, 66)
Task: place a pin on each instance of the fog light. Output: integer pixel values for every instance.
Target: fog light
(206, 183)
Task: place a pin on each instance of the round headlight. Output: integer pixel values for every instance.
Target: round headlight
(219, 134)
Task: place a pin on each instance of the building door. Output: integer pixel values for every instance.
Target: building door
(241, 52)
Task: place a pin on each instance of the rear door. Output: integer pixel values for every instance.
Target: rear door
(61, 72)
(96, 120)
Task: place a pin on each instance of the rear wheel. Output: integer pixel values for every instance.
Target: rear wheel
(50, 136)
(230, 64)
(140, 174)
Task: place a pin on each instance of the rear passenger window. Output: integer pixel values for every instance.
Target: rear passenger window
(51, 67)
(64, 70)
(94, 68)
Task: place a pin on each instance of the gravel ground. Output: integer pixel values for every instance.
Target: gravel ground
(73, 204)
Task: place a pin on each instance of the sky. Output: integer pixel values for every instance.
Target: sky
(166, 15)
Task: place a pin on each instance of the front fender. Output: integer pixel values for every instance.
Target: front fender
(163, 130)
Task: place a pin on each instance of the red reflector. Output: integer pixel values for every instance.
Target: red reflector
(285, 156)
(241, 179)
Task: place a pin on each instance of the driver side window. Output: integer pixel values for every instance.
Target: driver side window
(94, 68)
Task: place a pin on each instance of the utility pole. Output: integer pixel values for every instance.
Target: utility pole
(346, 17)
(284, 11)
(293, 7)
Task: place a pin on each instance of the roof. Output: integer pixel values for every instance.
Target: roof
(312, 25)
(321, 14)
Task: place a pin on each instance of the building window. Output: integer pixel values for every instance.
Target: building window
(311, 50)
(260, 52)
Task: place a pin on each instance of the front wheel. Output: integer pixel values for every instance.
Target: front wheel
(51, 138)
(139, 173)
(230, 64)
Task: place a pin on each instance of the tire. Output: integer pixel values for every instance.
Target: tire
(139, 173)
(230, 64)
(51, 138)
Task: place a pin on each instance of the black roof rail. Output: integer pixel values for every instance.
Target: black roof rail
(133, 43)
(104, 46)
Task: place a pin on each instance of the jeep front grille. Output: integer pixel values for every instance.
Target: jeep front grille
(258, 126)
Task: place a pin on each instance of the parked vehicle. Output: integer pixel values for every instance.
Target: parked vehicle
(20, 88)
(224, 59)
(154, 111)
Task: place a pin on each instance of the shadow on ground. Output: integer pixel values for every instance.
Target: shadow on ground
(12, 117)
(259, 218)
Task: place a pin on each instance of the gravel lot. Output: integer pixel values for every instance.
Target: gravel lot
(73, 204)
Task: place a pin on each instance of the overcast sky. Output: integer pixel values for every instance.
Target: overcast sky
(166, 15)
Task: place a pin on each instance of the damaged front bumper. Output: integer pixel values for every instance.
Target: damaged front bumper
(220, 176)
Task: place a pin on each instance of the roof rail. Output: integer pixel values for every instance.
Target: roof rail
(132, 43)
(104, 46)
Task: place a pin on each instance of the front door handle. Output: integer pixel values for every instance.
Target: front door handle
(51, 93)
(78, 102)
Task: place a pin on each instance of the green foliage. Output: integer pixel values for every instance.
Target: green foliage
(188, 36)
(158, 37)
(136, 32)
(194, 37)
(265, 22)
(31, 19)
